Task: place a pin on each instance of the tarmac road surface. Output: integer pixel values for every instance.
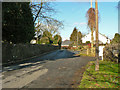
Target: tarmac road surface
(54, 70)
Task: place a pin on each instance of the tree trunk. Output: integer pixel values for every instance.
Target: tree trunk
(97, 39)
(77, 39)
(92, 38)
(38, 11)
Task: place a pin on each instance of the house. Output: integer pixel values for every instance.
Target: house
(66, 43)
(102, 38)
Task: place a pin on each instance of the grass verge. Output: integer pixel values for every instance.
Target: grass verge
(106, 77)
(83, 54)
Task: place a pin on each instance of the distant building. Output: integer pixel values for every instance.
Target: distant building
(102, 38)
(66, 43)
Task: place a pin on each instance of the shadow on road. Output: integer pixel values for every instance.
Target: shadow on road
(59, 54)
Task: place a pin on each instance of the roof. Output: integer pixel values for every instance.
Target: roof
(99, 33)
(102, 38)
(67, 42)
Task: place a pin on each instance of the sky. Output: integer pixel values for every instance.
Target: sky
(73, 14)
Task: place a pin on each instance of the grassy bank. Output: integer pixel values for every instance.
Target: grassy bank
(106, 77)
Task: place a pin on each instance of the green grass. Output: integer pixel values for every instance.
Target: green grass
(106, 77)
(83, 54)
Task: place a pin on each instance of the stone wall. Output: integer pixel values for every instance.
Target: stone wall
(16, 52)
(111, 52)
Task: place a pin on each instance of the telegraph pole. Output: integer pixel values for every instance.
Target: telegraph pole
(91, 3)
(97, 38)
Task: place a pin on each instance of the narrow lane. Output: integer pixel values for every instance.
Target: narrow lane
(54, 70)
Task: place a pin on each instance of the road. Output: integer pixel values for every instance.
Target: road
(58, 69)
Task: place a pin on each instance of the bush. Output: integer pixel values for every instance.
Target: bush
(87, 42)
(109, 54)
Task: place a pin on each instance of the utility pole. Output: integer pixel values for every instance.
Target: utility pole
(97, 38)
(91, 3)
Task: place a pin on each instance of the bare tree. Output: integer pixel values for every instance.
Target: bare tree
(43, 13)
(92, 16)
(91, 23)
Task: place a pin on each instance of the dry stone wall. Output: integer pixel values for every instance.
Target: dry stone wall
(16, 52)
(112, 52)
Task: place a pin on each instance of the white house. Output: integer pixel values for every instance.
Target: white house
(102, 38)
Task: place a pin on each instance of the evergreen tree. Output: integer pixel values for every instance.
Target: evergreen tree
(76, 35)
(79, 38)
(47, 35)
(57, 38)
(73, 36)
(116, 39)
(17, 23)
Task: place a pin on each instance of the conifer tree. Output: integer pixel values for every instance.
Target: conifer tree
(17, 23)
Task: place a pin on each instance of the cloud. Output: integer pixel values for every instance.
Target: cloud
(83, 23)
(75, 23)
(79, 24)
